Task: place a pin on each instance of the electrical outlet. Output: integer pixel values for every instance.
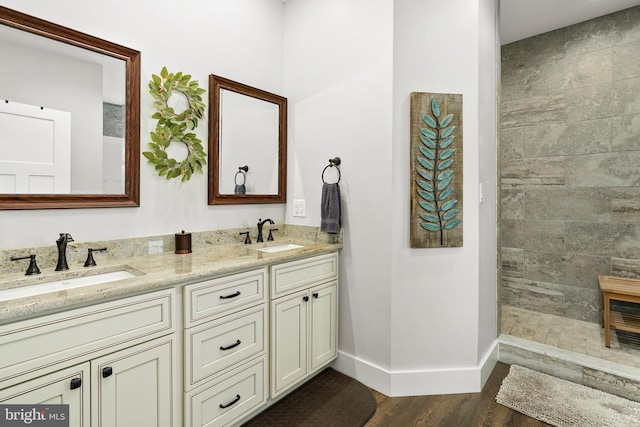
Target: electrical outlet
(156, 247)
(299, 208)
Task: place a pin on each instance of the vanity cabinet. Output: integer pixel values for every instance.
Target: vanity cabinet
(68, 386)
(226, 343)
(303, 320)
(113, 363)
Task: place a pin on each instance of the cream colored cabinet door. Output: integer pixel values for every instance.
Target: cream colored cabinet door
(288, 340)
(323, 325)
(69, 386)
(135, 387)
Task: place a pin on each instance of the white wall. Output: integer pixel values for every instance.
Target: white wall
(237, 39)
(410, 319)
(338, 77)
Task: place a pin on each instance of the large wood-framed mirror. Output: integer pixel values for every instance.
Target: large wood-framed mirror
(69, 117)
(247, 144)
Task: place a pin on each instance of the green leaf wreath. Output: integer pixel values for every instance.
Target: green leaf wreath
(174, 126)
(436, 186)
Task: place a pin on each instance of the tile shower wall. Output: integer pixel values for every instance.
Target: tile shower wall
(570, 164)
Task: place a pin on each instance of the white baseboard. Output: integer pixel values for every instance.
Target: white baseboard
(419, 382)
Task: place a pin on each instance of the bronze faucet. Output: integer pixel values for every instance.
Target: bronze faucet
(260, 224)
(62, 251)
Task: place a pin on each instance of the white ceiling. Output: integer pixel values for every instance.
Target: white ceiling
(520, 19)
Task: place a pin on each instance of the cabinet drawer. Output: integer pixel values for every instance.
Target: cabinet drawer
(211, 298)
(294, 275)
(55, 339)
(229, 398)
(219, 344)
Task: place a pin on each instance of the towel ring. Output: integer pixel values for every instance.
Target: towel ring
(332, 162)
(235, 178)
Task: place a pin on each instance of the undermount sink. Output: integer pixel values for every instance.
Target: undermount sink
(65, 284)
(280, 248)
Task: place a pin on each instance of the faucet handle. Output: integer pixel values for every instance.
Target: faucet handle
(33, 267)
(90, 262)
(270, 238)
(247, 240)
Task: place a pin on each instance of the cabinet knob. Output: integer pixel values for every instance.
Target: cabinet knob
(315, 295)
(106, 372)
(305, 298)
(76, 383)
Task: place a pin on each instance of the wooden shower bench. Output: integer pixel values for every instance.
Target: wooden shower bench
(618, 289)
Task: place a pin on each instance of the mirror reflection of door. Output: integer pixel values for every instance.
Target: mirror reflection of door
(35, 149)
(249, 129)
(89, 86)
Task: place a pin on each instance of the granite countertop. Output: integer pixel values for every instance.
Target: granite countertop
(153, 272)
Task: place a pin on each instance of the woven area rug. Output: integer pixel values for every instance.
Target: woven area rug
(563, 403)
(330, 399)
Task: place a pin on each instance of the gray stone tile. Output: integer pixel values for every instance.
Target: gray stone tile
(512, 262)
(570, 204)
(628, 21)
(536, 296)
(513, 83)
(512, 144)
(592, 35)
(622, 267)
(544, 79)
(625, 210)
(603, 239)
(593, 102)
(533, 172)
(588, 69)
(626, 133)
(611, 383)
(512, 206)
(579, 271)
(533, 235)
(619, 169)
(534, 110)
(534, 50)
(626, 61)
(590, 136)
(626, 91)
(539, 362)
(581, 304)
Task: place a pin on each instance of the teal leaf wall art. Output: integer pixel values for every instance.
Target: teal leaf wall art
(436, 170)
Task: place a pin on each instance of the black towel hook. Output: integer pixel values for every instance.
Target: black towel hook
(332, 162)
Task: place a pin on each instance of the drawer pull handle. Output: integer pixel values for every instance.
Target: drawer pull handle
(106, 372)
(233, 402)
(315, 295)
(76, 383)
(237, 343)
(237, 293)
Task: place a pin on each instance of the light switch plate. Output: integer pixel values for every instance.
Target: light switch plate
(299, 208)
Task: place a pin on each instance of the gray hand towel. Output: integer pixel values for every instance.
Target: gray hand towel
(330, 208)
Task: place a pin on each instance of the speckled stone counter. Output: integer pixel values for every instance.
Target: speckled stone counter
(153, 272)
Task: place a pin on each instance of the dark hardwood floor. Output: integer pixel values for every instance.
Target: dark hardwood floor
(452, 410)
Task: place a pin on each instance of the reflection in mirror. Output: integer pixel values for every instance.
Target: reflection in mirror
(247, 127)
(255, 145)
(69, 121)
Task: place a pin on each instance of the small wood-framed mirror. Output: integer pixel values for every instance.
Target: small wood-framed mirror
(65, 79)
(247, 144)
